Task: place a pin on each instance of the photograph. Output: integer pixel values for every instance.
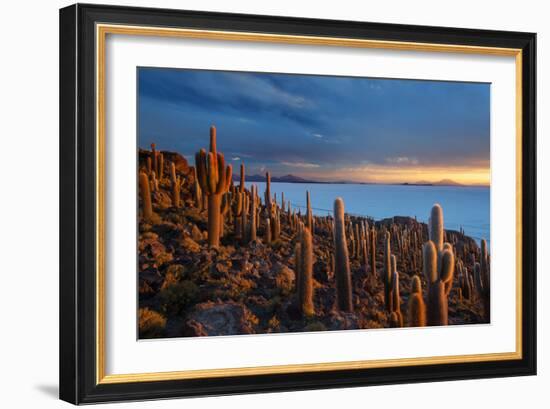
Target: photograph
(281, 202)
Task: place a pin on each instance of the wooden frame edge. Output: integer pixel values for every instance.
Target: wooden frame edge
(102, 30)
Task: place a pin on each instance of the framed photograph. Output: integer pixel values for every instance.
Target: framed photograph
(256, 203)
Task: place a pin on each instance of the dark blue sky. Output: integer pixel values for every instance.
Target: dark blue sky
(327, 127)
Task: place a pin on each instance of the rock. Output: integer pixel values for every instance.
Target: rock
(168, 231)
(190, 245)
(196, 234)
(161, 199)
(221, 318)
(343, 320)
(284, 278)
(222, 268)
(174, 273)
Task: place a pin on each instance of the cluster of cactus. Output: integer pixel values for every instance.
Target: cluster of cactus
(355, 240)
(253, 214)
(145, 192)
(176, 183)
(158, 162)
(482, 279)
(303, 260)
(438, 268)
(224, 211)
(244, 217)
(341, 259)
(359, 235)
(387, 272)
(396, 318)
(197, 191)
(267, 193)
(372, 252)
(465, 281)
(416, 309)
(214, 179)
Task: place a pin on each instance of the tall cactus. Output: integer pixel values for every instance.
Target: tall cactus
(438, 282)
(435, 225)
(237, 211)
(175, 182)
(267, 194)
(387, 271)
(341, 259)
(395, 296)
(245, 233)
(253, 210)
(197, 191)
(438, 304)
(276, 223)
(224, 210)
(482, 279)
(214, 178)
(304, 253)
(416, 309)
(160, 171)
(241, 186)
(154, 157)
(372, 252)
(145, 197)
(309, 214)
(267, 233)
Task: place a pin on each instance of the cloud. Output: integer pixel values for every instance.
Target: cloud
(304, 165)
(317, 125)
(402, 160)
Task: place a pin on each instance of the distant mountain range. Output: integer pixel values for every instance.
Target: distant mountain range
(277, 179)
(442, 182)
(297, 179)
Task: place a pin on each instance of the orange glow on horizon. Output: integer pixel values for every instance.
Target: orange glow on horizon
(409, 174)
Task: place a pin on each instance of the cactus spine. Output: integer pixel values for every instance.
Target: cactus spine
(416, 310)
(145, 197)
(214, 178)
(341, 259)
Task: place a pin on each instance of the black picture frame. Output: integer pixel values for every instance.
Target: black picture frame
(78, 360)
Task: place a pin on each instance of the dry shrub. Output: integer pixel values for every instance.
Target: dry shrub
(151, 323)
(177, 297)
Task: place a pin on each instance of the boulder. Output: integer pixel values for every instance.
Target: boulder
(220, 318)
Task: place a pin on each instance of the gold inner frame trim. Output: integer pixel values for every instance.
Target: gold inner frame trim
(101, 33)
